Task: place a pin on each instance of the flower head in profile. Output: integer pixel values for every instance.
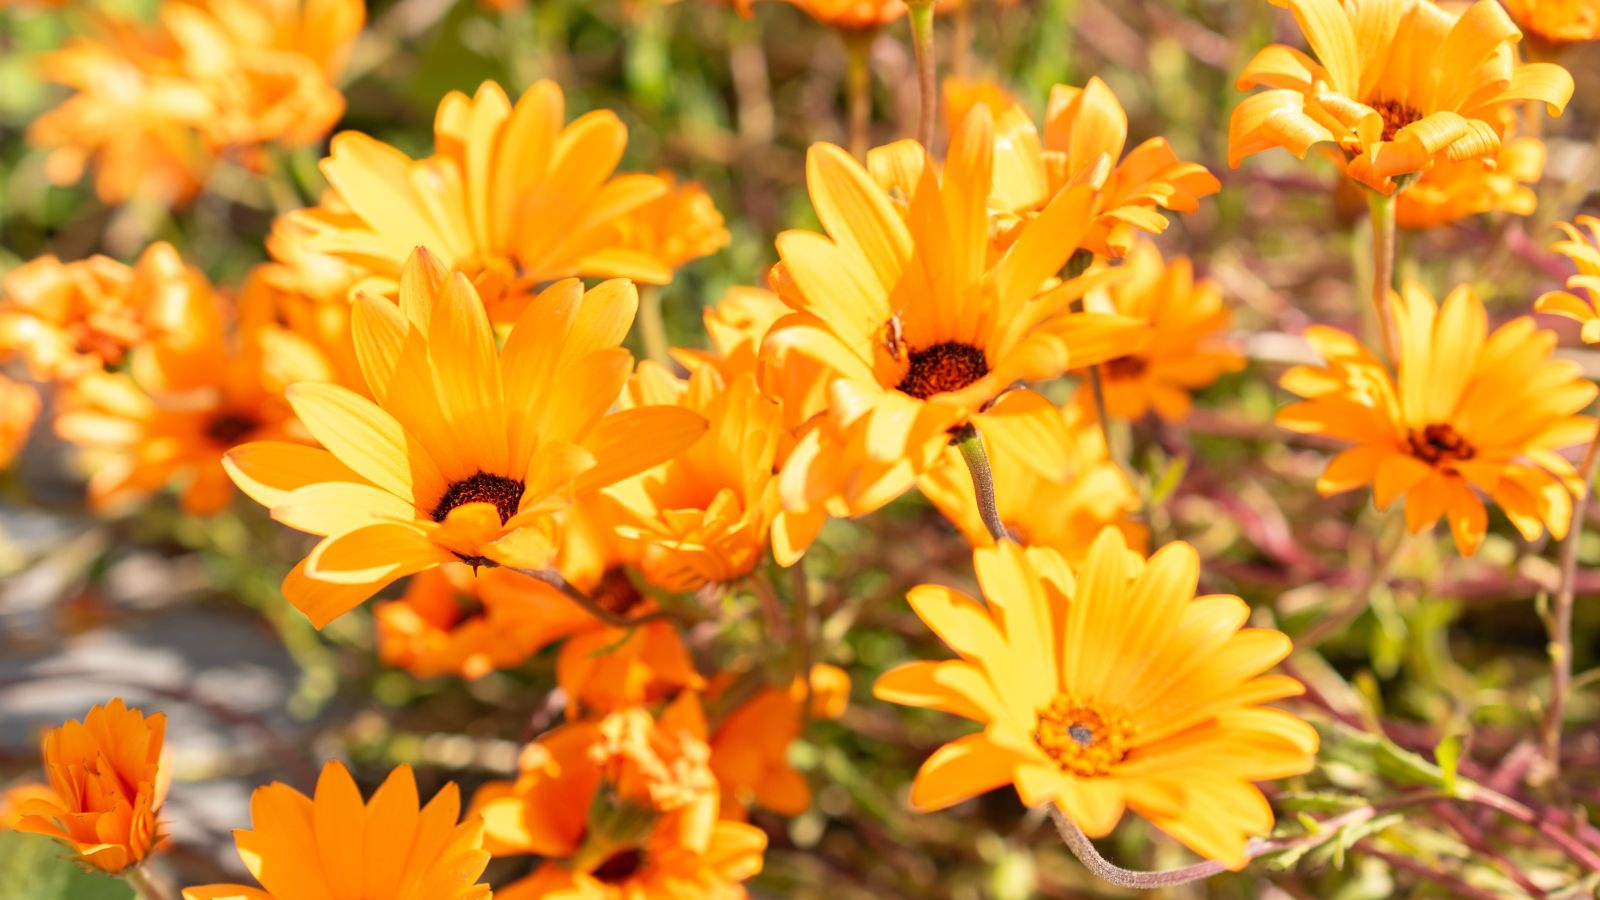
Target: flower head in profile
(1582, 246)
(622, 807)
(66, 319)
(1452, 191)
(204, 381)
(1187, 350)
(917, 326)
(675, 229)
(1059, 498)
(512, 196)
(1116, 689)
(1084, 138)
(848, 15)
(19, 409)
(1557, 21)
(467, 448)
(750, 745)
(1396, 86)
(107, 782)
(1472, 414)
(334, 845)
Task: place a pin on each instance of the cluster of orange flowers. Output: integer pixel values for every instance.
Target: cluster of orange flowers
(420, 380)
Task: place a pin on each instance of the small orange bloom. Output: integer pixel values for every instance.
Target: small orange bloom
(1558, 21)
(750, 746)
(677, 228)
(1452, 191)
(1186, 351)
(13, 798)
(332, 845)
(852, 15)
(108, 783)
(19, 409)
(1583, 248)
(66, 319)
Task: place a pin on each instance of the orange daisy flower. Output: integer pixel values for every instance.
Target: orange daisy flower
(333, 845)
(13, 798)
(1399, 86)
(918, 329)
(1452, 191)
(108, 785)
(675, 229)
(1060, 498)
(1470, 413)
(196, 389)
(1583, 248)
(467, 448)
(19, 409)
(1558, 21)
(750, 746)
(1116, 689)
(621, 807)
(1186, 351)
(850, 15)
(66, 319)
(1085, 134)
(511, 197)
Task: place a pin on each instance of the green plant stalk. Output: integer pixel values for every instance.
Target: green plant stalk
(146, 886)
(858, 86)
(653, 325)
(970, 443)
(1383, 241)
(927, 69)
(1561, 614)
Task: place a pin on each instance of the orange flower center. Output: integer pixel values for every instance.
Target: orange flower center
(481, 487)
(619, 866)
(1080, 738)
(947, 366)
(1396, 115)
(1128, 367)
(1437, 443)
(615, 593)
(228, 428)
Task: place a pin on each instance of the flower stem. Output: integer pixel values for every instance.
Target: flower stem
(752, 87)
(652, 326)
(970, 443)
(927, 69)
(1561, 614)
(145, 885)
(587, 604)
(858, 85)
(1382, 210)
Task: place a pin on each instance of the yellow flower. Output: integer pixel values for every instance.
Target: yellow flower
(1558, 21)
(1057, 495)
(199, 386)
(1186, 351)
(1085, 133)
(511, 196)
(709, 514)
(918, 329)
(1452, 191)
(750, 747)
(676, 228)
(1584, 251)
(333, 845)
(1471, 413)
(108, 785)
(19, 409)
(467, 449)
(1398, 85)
(1114, 689)
(66, 319)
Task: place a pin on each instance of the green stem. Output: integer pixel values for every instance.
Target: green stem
(653, 326)
(145, 885)
(1561, 614)
(1382, 210)
(927, 69)
(970, 443)
(858, 85)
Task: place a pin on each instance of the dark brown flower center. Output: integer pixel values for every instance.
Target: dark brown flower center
(228, 428)
(1396, 115)
(615, 593)
(1438, 442)
(1126, 367)
(481, 487)
(948, 366)
(619, 866)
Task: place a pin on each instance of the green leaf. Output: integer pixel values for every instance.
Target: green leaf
(38, 868)
(1448, 753)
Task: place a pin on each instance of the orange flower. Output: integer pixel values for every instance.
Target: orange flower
(66, 319)
(1584, 251)
(19, 409)
(12, 800)
(1059, 497)
(1085, 133)
(676, 228)
(624, 807)
(333, 845)
(1114, 689)
(1469, 412)
(511, 197)
(1558, 21)
(918, 328)
(851, 15)
(194, 391)
(750, 747)
(1399, 86)
(1186, 351)
(108, 786)
(1452, 191)
(709, 514)
(467, 449)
